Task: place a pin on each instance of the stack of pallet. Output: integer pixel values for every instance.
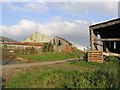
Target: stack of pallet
(95, 56)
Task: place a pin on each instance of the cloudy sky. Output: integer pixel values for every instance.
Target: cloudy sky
(70, 20)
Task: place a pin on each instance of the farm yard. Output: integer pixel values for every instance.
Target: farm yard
(75, 74)
(57, 64)
(64, 44)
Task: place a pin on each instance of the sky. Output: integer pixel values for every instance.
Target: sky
(69, 20)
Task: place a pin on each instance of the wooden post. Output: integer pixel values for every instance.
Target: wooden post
(118, 47)
(93, 40)
(105, 46)
(112, 46)
(101, 47)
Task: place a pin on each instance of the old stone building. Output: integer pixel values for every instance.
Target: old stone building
(38, 43)
(22, 47)
(59, 44)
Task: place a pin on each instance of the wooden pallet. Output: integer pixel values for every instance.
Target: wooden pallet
(95, 56)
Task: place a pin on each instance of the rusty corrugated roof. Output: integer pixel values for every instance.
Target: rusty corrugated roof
(25, 43)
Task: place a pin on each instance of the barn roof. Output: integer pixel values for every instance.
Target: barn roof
(6, 39)
(38, 38)
(105, 24)
(64, 40)
(25, 43)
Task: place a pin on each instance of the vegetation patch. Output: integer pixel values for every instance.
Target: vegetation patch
(50, 56)
(65, 79)
(67, 76)
(112, 59)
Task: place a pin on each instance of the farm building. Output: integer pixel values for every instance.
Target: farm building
(25, 47)
(5, 39)
(38, 38)
(105, 37)
(59, 44)
(38, 43)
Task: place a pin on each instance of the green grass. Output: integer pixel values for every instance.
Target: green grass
(77, 74)
(50, 56)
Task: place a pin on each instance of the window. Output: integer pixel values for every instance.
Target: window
(54, 41)
(59, 43)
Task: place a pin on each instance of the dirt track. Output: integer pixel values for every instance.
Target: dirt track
(7, 70)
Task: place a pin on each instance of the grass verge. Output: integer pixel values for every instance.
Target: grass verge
(77, 74)
(50, 56)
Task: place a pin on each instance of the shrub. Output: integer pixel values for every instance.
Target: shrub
(86, 57)
(66, 79)
(112, 59)
(105, 78)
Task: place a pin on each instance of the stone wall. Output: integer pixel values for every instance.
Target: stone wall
(60, 45)
(25, 49)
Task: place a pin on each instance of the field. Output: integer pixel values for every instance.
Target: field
(76, 74)
(50, 56)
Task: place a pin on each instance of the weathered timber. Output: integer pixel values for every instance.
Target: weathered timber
(98, 44)
(95, 56)
(109, 39)
(111, 54)
(105, 36)
(105, 24)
